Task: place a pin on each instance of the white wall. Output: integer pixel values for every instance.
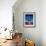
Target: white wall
(6, 16)
(6, 13)
(43, 22)
(28, 6)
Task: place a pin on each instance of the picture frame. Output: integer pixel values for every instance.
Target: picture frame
(29, 19)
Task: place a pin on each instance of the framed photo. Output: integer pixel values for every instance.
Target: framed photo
(29, 19)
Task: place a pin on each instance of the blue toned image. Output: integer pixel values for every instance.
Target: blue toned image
(29, 19)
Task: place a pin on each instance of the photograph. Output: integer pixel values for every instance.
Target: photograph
(29, 19)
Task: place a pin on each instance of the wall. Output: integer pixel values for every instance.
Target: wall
(6, 16)
(6, 13)
(43, 22)
(28, 6)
